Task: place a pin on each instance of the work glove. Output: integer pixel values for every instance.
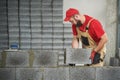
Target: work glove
(92, 55)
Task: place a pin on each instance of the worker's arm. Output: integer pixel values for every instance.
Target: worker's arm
(103, 40)
(100, 45)
(75, 43)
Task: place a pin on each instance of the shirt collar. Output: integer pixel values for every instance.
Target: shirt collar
(83, 27)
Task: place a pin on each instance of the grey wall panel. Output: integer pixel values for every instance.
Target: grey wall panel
(3, 25)
(47, 33)
(67, 36)
(3, 17)
(25, 26)
(13, 22)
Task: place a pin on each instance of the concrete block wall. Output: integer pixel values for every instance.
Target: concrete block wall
(47, 58)
(43, 65)
(29, 58)
(33, 58)
(61, 73)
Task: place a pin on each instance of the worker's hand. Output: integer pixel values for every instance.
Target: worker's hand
(75, 43)
(92, 55)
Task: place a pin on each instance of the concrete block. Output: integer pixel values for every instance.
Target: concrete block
(56, 73)
(28, 74)
(61, 63)
(17, 59)
(82, 73)
(45, 58)
(7, 73)
(78, 56)
(61, 58)
(114, 61)
(108, 73)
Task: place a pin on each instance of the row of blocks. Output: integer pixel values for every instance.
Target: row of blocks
(29, 58)
(43, 58)
(61, 73)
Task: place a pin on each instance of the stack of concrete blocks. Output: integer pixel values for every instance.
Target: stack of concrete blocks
(43, 65)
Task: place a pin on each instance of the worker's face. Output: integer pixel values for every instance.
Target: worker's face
(72, 20)
(75, 20)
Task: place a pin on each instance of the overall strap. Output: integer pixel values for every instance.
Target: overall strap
(87, 27)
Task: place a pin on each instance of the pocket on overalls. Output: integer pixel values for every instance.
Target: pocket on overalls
(85, 40)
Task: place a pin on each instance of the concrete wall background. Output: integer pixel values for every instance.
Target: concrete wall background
(103, 10)
(111, 28)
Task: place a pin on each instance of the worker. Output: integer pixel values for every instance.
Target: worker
(90, 33)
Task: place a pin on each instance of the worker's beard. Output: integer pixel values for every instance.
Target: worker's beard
(78, 23)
